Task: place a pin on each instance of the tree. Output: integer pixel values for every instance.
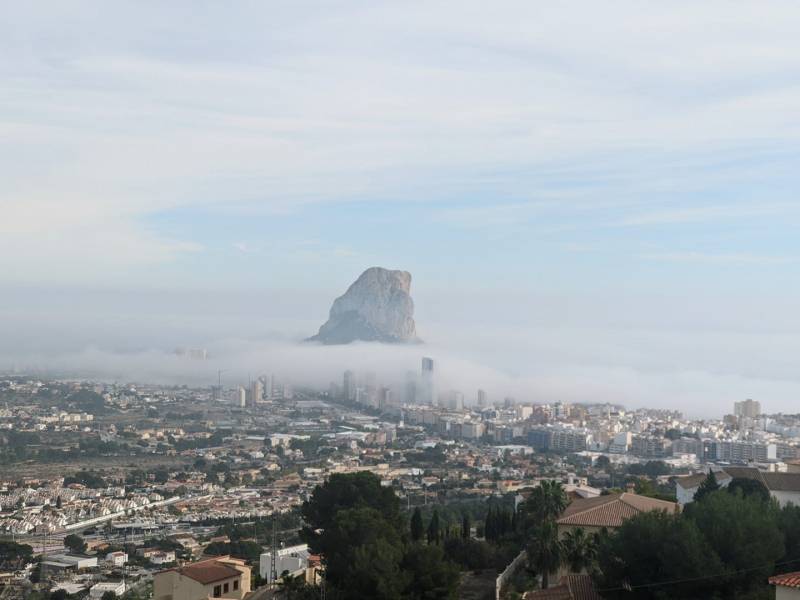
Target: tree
(430, 576)
(544, 550)
(375, 572)
(109, 595)
(86, 478)
(603, 462)
(656, 547)
(417, 527)
(345, 491)
(738, 529)
(356, 525)
(434, 533)
(656, 468)
(546, 502)
(749, 487)
(361, 545)
(58, 595)
(12, 552)
(471, 554)
(246, 549)
(466, 527)
(75, 543)
(578, 550)
(789, 524)
(490, 525)
(296, 588)
(708, 486)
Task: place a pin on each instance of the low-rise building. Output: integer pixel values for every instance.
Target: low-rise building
(787, 586)
(116, 559)
(293, 559)
(220, 577)
(98, 589)
(686, 487)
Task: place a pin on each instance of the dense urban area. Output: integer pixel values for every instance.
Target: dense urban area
(370, 490)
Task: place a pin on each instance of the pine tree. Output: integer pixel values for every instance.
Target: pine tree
(434, 533)
(709, 485)
(465, 527)
(417, 528)
(490, 531)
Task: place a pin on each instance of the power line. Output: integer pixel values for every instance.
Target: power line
(630, 588)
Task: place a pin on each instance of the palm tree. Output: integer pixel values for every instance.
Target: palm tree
(579, 550)
(544, 550)
(547, 501)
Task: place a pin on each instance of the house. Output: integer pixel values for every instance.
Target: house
(784, 487)
(116, 559)
(787, 586)
(570, 587)
(581, 490)
(686, 487)
(98, 589)
(188, 543)
(608, 512)
(219, 577)
(293, 559)
(162, 557)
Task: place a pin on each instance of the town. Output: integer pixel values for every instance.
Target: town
(143, 490)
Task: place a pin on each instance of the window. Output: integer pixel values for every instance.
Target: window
(217, 591)
(235, 584)
(225, 588)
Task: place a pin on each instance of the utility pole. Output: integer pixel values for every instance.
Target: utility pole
(274, 551)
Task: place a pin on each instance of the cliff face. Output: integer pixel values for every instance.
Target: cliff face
(377, 307)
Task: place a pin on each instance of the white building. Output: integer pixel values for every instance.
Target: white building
(293, 559)
(117, 559)
(98, 589)
(686, 487)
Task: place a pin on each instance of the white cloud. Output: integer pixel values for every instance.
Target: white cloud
(721, 259)
(361, 100)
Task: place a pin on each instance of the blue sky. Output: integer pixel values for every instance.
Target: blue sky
(637, 156)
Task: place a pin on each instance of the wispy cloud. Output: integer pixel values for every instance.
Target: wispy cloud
(700, 214)
(723, 259)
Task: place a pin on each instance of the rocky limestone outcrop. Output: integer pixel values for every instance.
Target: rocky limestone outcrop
(377, 307)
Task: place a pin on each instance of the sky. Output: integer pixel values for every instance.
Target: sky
(597, 201)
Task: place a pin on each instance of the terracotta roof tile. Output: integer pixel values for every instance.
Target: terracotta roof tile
(746, 473)
(581, 587)
(776, 482)
(692, 481)
(791, 580)
(611, 510)
(571, 587)
(207, 571)
(559, 592)
(782, 482)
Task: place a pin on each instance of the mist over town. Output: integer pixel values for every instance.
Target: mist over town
(399, 300)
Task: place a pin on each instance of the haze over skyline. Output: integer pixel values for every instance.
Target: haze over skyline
(596, 202)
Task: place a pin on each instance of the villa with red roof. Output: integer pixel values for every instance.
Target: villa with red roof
(218, 577)
(787, 586)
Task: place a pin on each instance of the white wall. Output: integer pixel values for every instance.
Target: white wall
(786, 593)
